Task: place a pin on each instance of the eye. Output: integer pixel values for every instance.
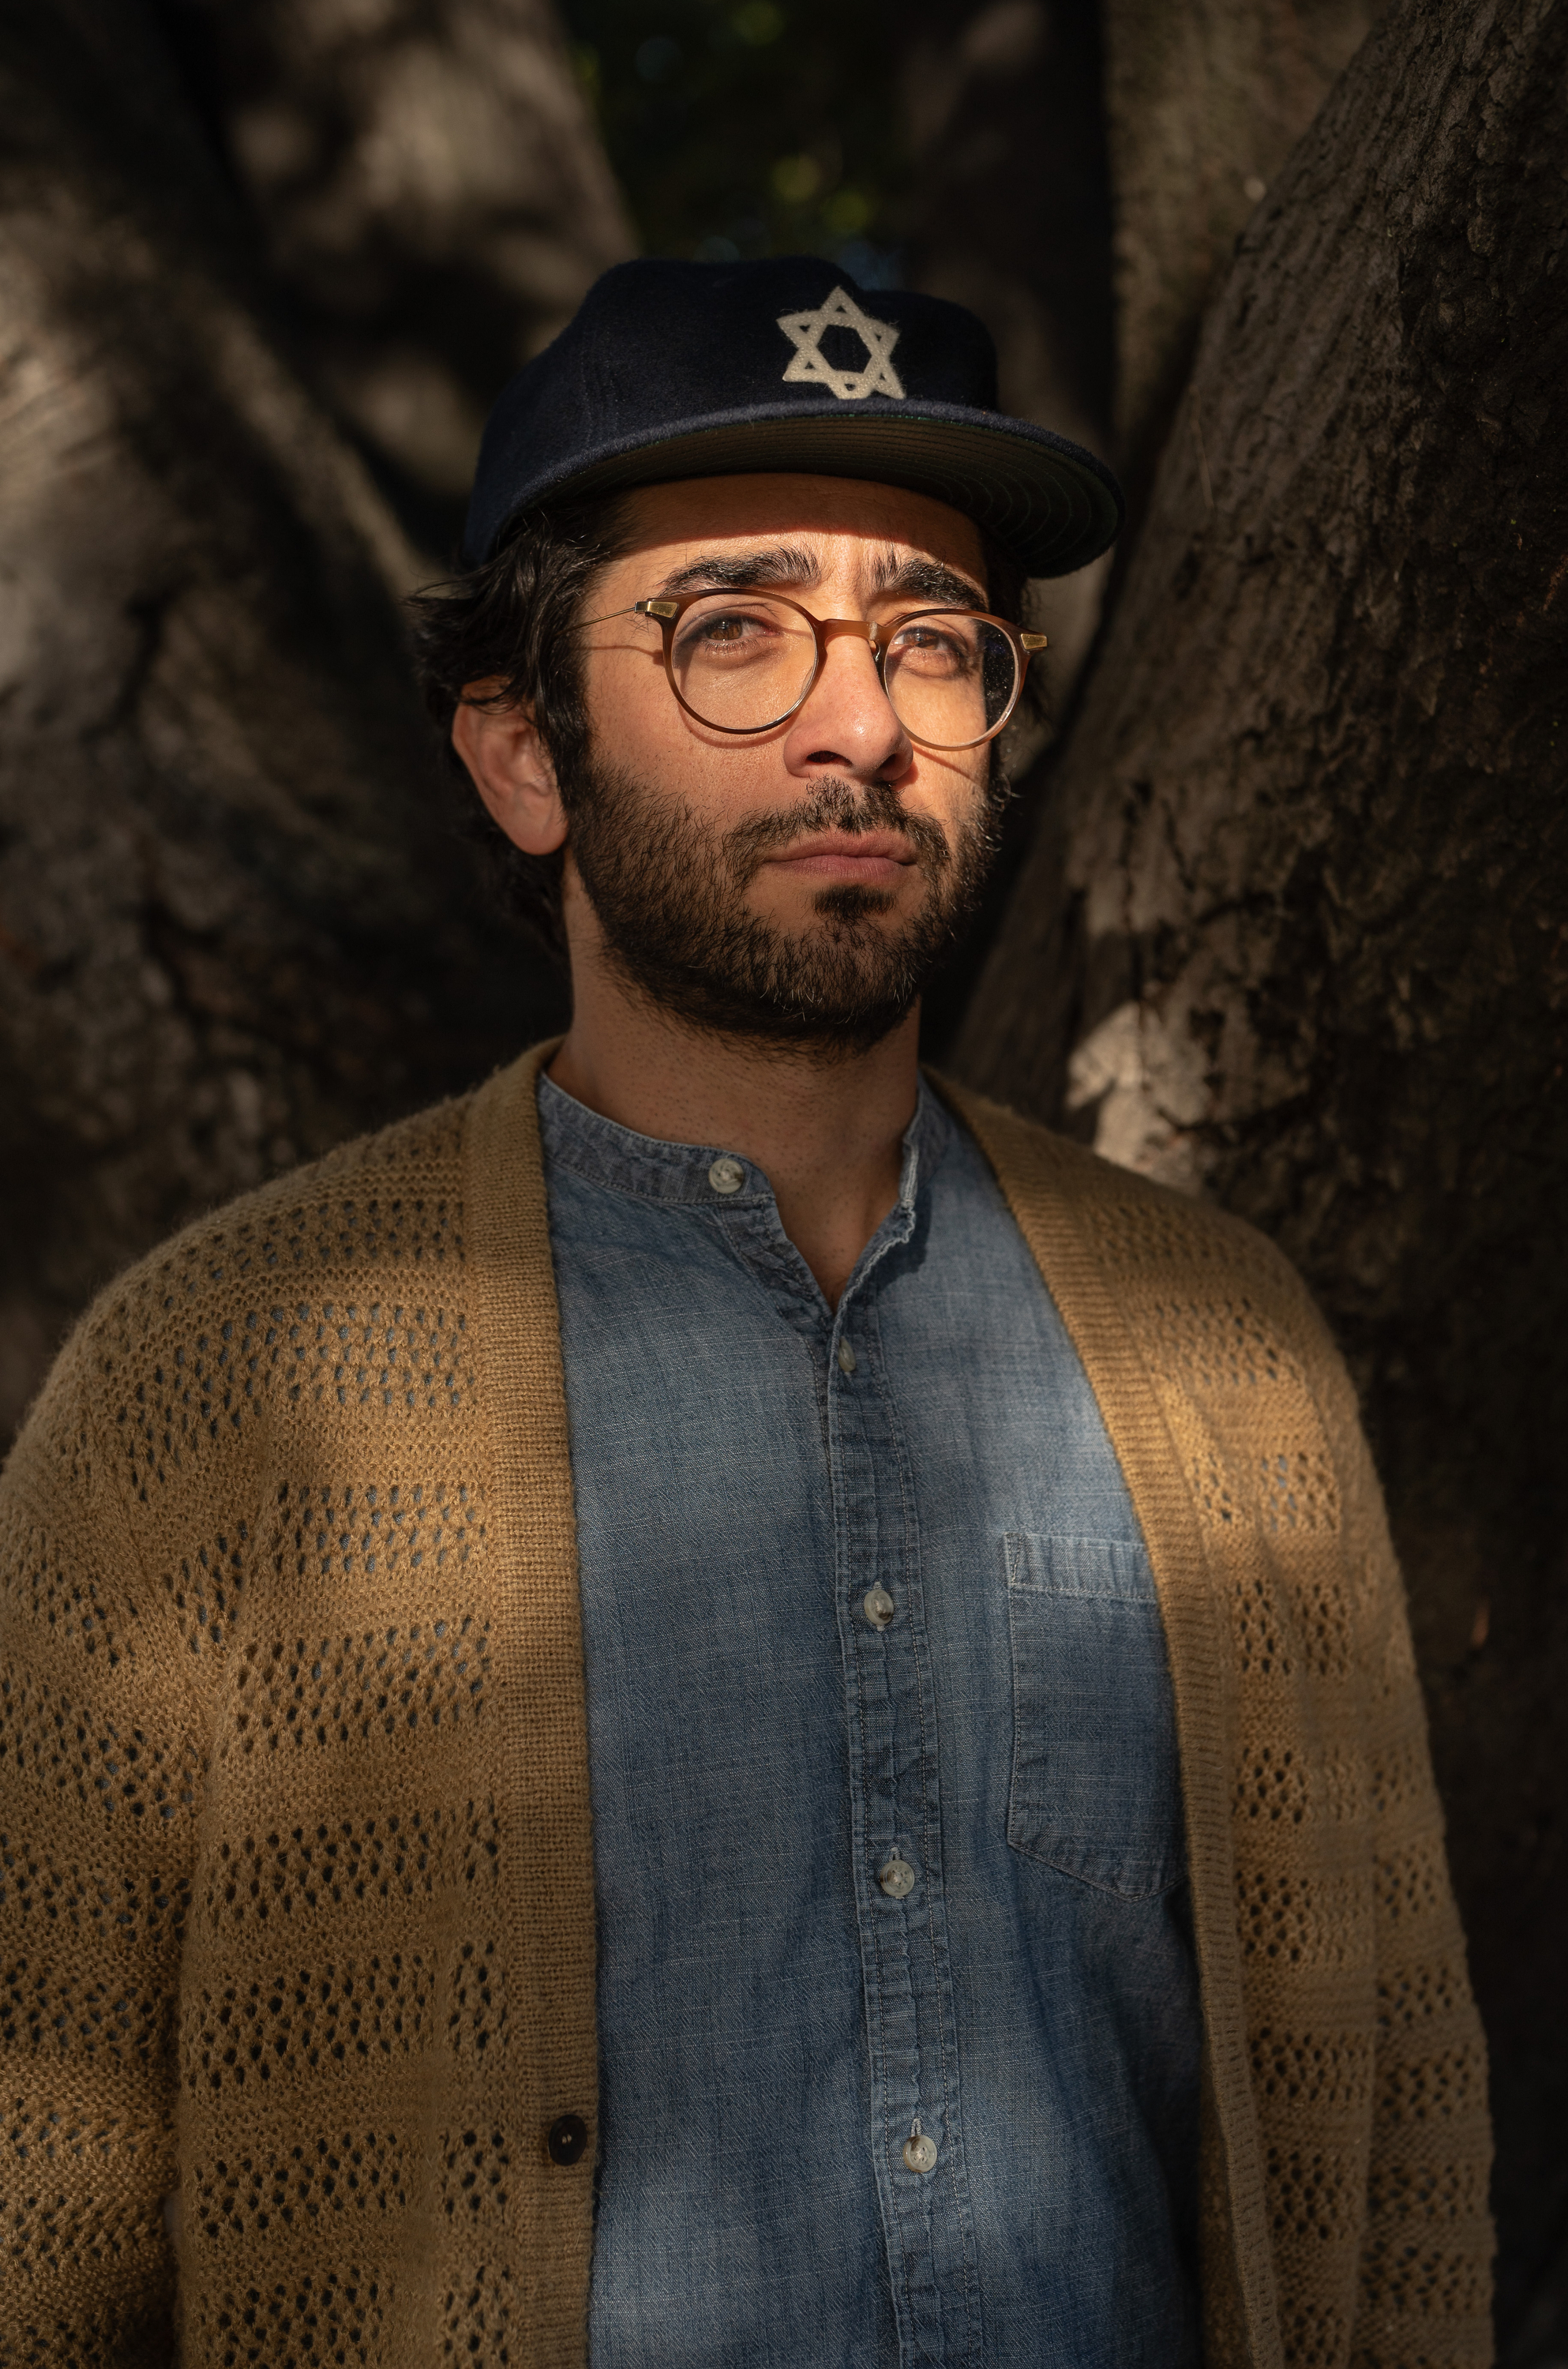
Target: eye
(935, 645)
(714, 632)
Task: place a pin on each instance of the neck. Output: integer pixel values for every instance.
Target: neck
(826, 1133)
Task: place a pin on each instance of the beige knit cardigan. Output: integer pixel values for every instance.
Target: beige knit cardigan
(298, 1919)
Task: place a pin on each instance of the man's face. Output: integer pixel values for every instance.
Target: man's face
(795, 885)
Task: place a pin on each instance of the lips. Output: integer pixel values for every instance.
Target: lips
(875, 854)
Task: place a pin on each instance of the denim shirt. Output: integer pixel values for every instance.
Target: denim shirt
(897, 2000)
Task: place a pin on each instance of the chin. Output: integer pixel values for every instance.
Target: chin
(844, 906)
(851, 903)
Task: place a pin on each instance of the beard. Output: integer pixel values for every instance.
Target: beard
(669, 894)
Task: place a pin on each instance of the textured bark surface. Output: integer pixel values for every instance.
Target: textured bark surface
(1010, 204)
(233, 926)
(1204, 103)
(1299, 917)
(1010, 213)
(1082, 172)
(433, 199)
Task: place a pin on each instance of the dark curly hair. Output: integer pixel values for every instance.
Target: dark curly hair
(511, 622)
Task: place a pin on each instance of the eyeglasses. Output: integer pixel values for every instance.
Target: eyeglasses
(741, 662)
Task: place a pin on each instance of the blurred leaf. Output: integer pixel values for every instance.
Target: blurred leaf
(765, 128)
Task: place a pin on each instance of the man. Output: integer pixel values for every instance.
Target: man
(719, 1706)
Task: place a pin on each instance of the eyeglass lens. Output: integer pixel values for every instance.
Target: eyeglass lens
(742, 662)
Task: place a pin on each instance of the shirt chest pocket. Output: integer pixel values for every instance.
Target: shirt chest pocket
(1094, 1787)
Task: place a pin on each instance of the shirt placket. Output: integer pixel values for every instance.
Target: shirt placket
(917, 2135)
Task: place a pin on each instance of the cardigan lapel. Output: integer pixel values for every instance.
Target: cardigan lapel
(1045, 1181)
(545, 1868)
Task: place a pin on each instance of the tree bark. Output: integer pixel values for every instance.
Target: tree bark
(234, 927)
(1081, 169)
(1203, 102)
(1010, 213)
(1294, 933)
(1010, 201)
(433, 201)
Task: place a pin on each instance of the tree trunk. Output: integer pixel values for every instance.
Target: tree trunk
(1203, 102)
(1298, 916)
(433, 202)
(1010, 213)
(1081, 173)
(1009, 199)
(234, 927)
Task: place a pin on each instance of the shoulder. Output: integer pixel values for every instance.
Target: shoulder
(331, 1270)
(389, 1199)
(1175, 1265)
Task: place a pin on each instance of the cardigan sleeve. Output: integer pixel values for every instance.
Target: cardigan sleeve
(1425, 2286)
(101, 1768)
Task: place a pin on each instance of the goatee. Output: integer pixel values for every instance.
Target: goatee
(669, 894)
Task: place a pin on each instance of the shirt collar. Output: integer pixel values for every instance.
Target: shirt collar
(696, 1175)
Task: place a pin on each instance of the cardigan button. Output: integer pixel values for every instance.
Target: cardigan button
(566, 2139)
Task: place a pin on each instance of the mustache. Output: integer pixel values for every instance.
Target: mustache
(832, 806)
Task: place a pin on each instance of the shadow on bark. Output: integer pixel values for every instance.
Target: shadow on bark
(234, 927)
(431, 200)
(1293, 934)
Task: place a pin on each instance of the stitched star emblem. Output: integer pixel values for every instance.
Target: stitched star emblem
(809, 364)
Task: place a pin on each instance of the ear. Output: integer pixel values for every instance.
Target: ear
(512, 769)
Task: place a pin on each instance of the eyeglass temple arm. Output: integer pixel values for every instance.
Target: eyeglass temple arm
(637, 608)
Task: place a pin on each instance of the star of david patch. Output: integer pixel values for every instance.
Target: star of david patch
(809, 364)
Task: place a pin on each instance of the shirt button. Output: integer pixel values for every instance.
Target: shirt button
(846, 1356)
(878, 1607)
(919, 2152)
(726, 1176)
(897, 1878)
(566, 2138)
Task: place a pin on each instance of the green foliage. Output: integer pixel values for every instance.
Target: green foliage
(751, 127)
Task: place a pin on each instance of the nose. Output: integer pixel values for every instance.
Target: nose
(846, 724)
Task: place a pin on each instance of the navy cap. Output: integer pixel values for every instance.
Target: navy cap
(711, 369)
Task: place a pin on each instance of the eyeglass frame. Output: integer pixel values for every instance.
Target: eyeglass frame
(668, 614)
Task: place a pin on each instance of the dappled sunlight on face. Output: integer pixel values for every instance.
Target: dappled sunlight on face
(796, 884)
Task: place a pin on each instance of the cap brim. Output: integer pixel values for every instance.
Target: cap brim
(1049, 503)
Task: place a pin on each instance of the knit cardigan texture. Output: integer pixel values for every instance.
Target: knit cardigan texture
(296, 1882)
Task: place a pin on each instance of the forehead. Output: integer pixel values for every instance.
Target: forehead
(850, 522)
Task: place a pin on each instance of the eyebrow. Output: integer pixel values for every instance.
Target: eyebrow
(928, 580)
(785, 567)
(781, 564)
